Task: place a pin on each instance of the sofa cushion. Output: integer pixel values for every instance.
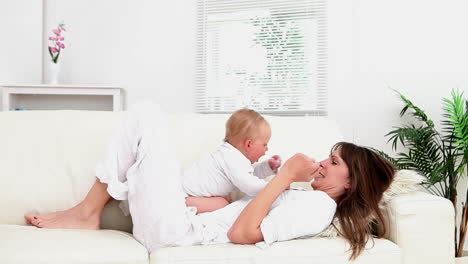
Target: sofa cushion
(26, 244)
(312, 250)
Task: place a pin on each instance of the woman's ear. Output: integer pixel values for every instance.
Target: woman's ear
(347, 186)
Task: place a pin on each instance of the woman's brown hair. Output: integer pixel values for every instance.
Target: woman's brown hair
(370, 175)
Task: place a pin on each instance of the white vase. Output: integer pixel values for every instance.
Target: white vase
(53, 73)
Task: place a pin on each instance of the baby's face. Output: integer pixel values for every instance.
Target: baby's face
(260, 144)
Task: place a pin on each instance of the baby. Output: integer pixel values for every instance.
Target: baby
(233, 165)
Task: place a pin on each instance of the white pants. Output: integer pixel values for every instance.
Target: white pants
(141, 167)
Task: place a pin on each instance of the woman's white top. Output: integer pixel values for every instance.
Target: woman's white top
(221, 171)
(295, 214)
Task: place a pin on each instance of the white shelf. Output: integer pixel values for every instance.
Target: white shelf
(12, 92)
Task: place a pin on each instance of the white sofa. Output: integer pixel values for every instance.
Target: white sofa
(47, 161)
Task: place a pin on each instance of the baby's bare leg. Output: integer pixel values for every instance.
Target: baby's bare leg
(206, 204)
(85, 215)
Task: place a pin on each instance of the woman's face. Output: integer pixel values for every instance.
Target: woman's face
(334, 175)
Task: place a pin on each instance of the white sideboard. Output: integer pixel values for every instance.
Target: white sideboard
(13, 93)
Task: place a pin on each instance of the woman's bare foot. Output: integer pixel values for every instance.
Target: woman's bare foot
(85, 215)
(74, 218)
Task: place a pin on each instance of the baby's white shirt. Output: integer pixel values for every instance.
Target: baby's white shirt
(223, 171)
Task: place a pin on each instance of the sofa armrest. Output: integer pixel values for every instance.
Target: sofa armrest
(423, 226)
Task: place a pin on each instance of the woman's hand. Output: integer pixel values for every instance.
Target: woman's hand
(206, 204)
(300, 168)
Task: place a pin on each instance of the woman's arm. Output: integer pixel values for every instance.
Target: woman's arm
(206, 204)
(246, 229)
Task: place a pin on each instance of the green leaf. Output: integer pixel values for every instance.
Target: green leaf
(417, 112)
(58, 54)
(456, 114)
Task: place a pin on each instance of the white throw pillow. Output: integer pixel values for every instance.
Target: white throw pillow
(405, 181)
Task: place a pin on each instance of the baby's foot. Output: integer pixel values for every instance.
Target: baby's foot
(68, 219)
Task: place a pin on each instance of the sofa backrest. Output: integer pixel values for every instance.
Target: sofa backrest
(47, 158)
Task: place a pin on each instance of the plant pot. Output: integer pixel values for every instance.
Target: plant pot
(463, 259)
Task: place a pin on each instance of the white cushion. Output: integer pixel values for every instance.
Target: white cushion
(26, 244)
(313, 250)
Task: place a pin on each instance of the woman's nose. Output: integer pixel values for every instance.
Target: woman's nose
(324, 163)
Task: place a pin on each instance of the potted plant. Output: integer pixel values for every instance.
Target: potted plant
(55, 48)
(441, 157)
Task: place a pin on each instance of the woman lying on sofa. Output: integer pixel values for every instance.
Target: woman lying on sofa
(142, 170)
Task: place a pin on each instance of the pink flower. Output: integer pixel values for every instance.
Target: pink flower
(60, 44)
(57, 42)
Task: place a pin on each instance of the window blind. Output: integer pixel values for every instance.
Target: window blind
(268, 55)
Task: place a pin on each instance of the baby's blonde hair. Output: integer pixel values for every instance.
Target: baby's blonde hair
(243, 124)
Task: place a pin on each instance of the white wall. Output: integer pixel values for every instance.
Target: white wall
(416, 47)
(144, 46)
(20, 41)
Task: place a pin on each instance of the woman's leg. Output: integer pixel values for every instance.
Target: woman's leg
(141, 167)
(156, 199)
(85, 215)
(111, 173)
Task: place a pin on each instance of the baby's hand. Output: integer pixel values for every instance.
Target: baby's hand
(300, 168)
(274, 162)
